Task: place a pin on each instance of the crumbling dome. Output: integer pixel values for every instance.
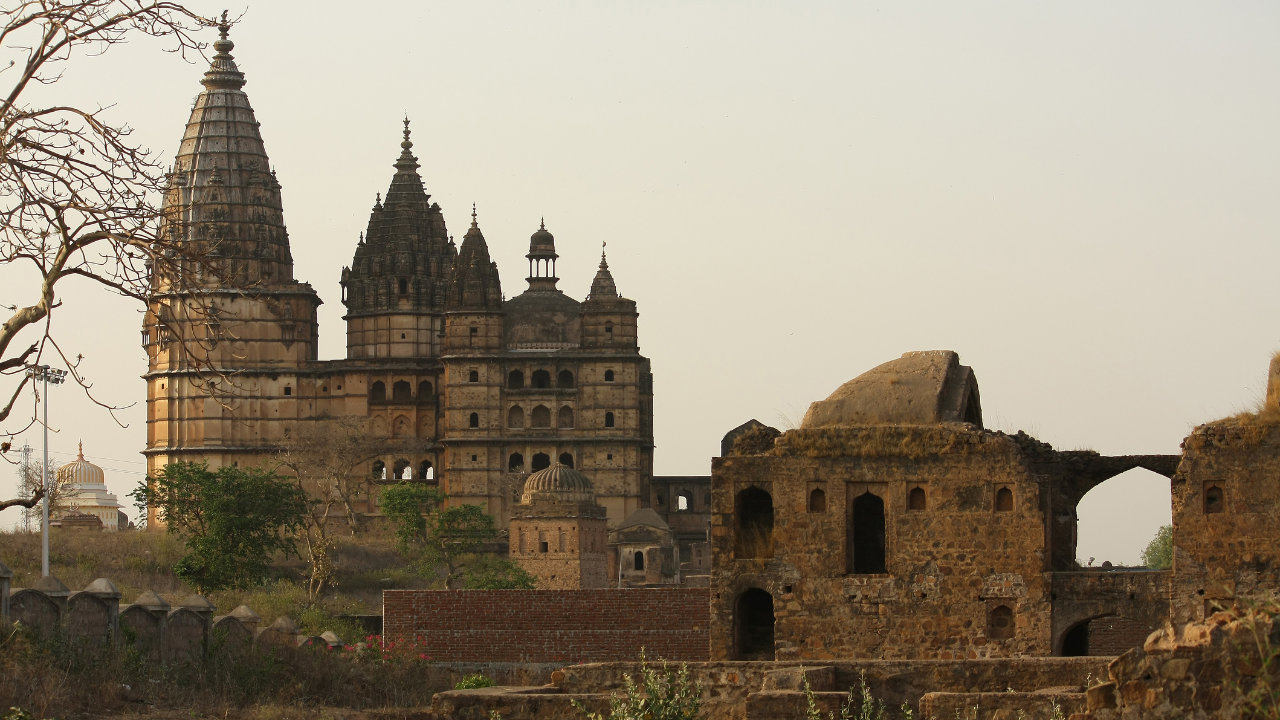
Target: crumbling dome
(918, 388)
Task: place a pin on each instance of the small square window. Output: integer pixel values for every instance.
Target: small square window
(473, 458)
(402, 336)
(610, 456)
(288, 390)
(339, 387)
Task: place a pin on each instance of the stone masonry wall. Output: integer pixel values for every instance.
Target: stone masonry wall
(551, 625)
(949, 564)
(1232, 553)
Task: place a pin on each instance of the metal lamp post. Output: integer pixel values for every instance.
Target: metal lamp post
(46, 374)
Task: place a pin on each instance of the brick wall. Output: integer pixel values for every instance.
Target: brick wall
(552, 625)
(1109, 636)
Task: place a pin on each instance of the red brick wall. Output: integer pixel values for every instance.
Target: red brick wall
(551, 625)
(1115, 635)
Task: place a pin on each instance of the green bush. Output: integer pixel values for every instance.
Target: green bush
(471, 682)
(1159, 552)
(664, 694)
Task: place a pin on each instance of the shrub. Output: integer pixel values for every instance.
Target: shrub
(1159, 552)
(471, 682)
(664, 694)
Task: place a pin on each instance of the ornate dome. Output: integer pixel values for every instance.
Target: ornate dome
(81, 472)
(559, 483)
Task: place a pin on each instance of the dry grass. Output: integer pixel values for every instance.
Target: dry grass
(137, 561)
(754, 543)
(907, 441)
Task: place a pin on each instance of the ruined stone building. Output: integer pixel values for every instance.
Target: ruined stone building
(892, 525)
(473, 390)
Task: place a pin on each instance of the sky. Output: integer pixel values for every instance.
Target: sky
(1079, 198)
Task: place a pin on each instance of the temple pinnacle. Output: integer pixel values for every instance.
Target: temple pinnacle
(474, 224)
(80, 452)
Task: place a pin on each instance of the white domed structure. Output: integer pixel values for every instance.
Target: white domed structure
(85, 492)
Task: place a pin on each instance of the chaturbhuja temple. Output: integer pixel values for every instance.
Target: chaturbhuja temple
(477, 390)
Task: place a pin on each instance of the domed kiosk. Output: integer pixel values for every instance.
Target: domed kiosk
(84, 492)
(558, 531)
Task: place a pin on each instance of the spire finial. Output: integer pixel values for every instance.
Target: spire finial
(406, 133)
(542, 225)
(474, 224)
(224, 26)
(80, 452)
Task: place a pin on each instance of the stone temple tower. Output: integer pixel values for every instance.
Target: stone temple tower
(224, 349)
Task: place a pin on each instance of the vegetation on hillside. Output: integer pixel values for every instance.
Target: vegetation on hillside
(445, 544)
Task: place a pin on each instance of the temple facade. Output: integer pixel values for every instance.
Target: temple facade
(463, 387)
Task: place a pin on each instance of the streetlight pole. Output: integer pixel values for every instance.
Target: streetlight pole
(47, 375)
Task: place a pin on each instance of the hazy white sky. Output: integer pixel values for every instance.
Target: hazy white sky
(1079, 198)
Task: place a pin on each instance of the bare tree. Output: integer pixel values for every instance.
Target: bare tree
(78, 197)
(328, 454)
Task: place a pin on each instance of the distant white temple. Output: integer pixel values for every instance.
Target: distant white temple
(85, 493)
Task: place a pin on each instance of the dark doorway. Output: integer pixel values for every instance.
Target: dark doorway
(867, 532)
(377, 392)
(401, 393)
(755, 525)
(425, 471)
(639, 560)
(564, 379)
(424, 390)
(1076, 642)
(541, 461)
(515, 380)
(541, 379)
(753, 625)
(1004, 500)
(566, 459)
(516, 462)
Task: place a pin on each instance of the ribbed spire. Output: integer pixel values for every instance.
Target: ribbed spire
(223, 72)
(406, 246)
(222, 192)
(474, 284)
(603, 286)
(80, 452)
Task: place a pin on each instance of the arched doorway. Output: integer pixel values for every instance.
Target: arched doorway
(753, 626)
(541, 461)
(866, 531)
(1117, 519)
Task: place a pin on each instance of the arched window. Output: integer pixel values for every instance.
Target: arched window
(608, 419)
(753, 626)
(566, 459)
(817, 501)
(867, 534)
(638, 563)
(541, 379)
(1004, 500)
(916, 499)
(1000, 623)
(564, 379)
(565, 418)
(403, 470)
(401, 427)
(661, 501)
(1213, 500)
(401, 392)
(378, 392)
(404, 286)
(425, 471)
(541, 417)
(424, 389)
(475, 420)
(515, 417)
(516, 462)
(755, 524)
(1075, 643)
(515, 380)
(379, 470)
(608, 376)
(541, 461)
(473, 376)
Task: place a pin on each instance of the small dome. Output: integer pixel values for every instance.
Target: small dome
(542, 242)
(919, 388)
(81, 472)
(558, 482)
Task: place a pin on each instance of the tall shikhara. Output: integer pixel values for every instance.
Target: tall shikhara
(224, 347)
